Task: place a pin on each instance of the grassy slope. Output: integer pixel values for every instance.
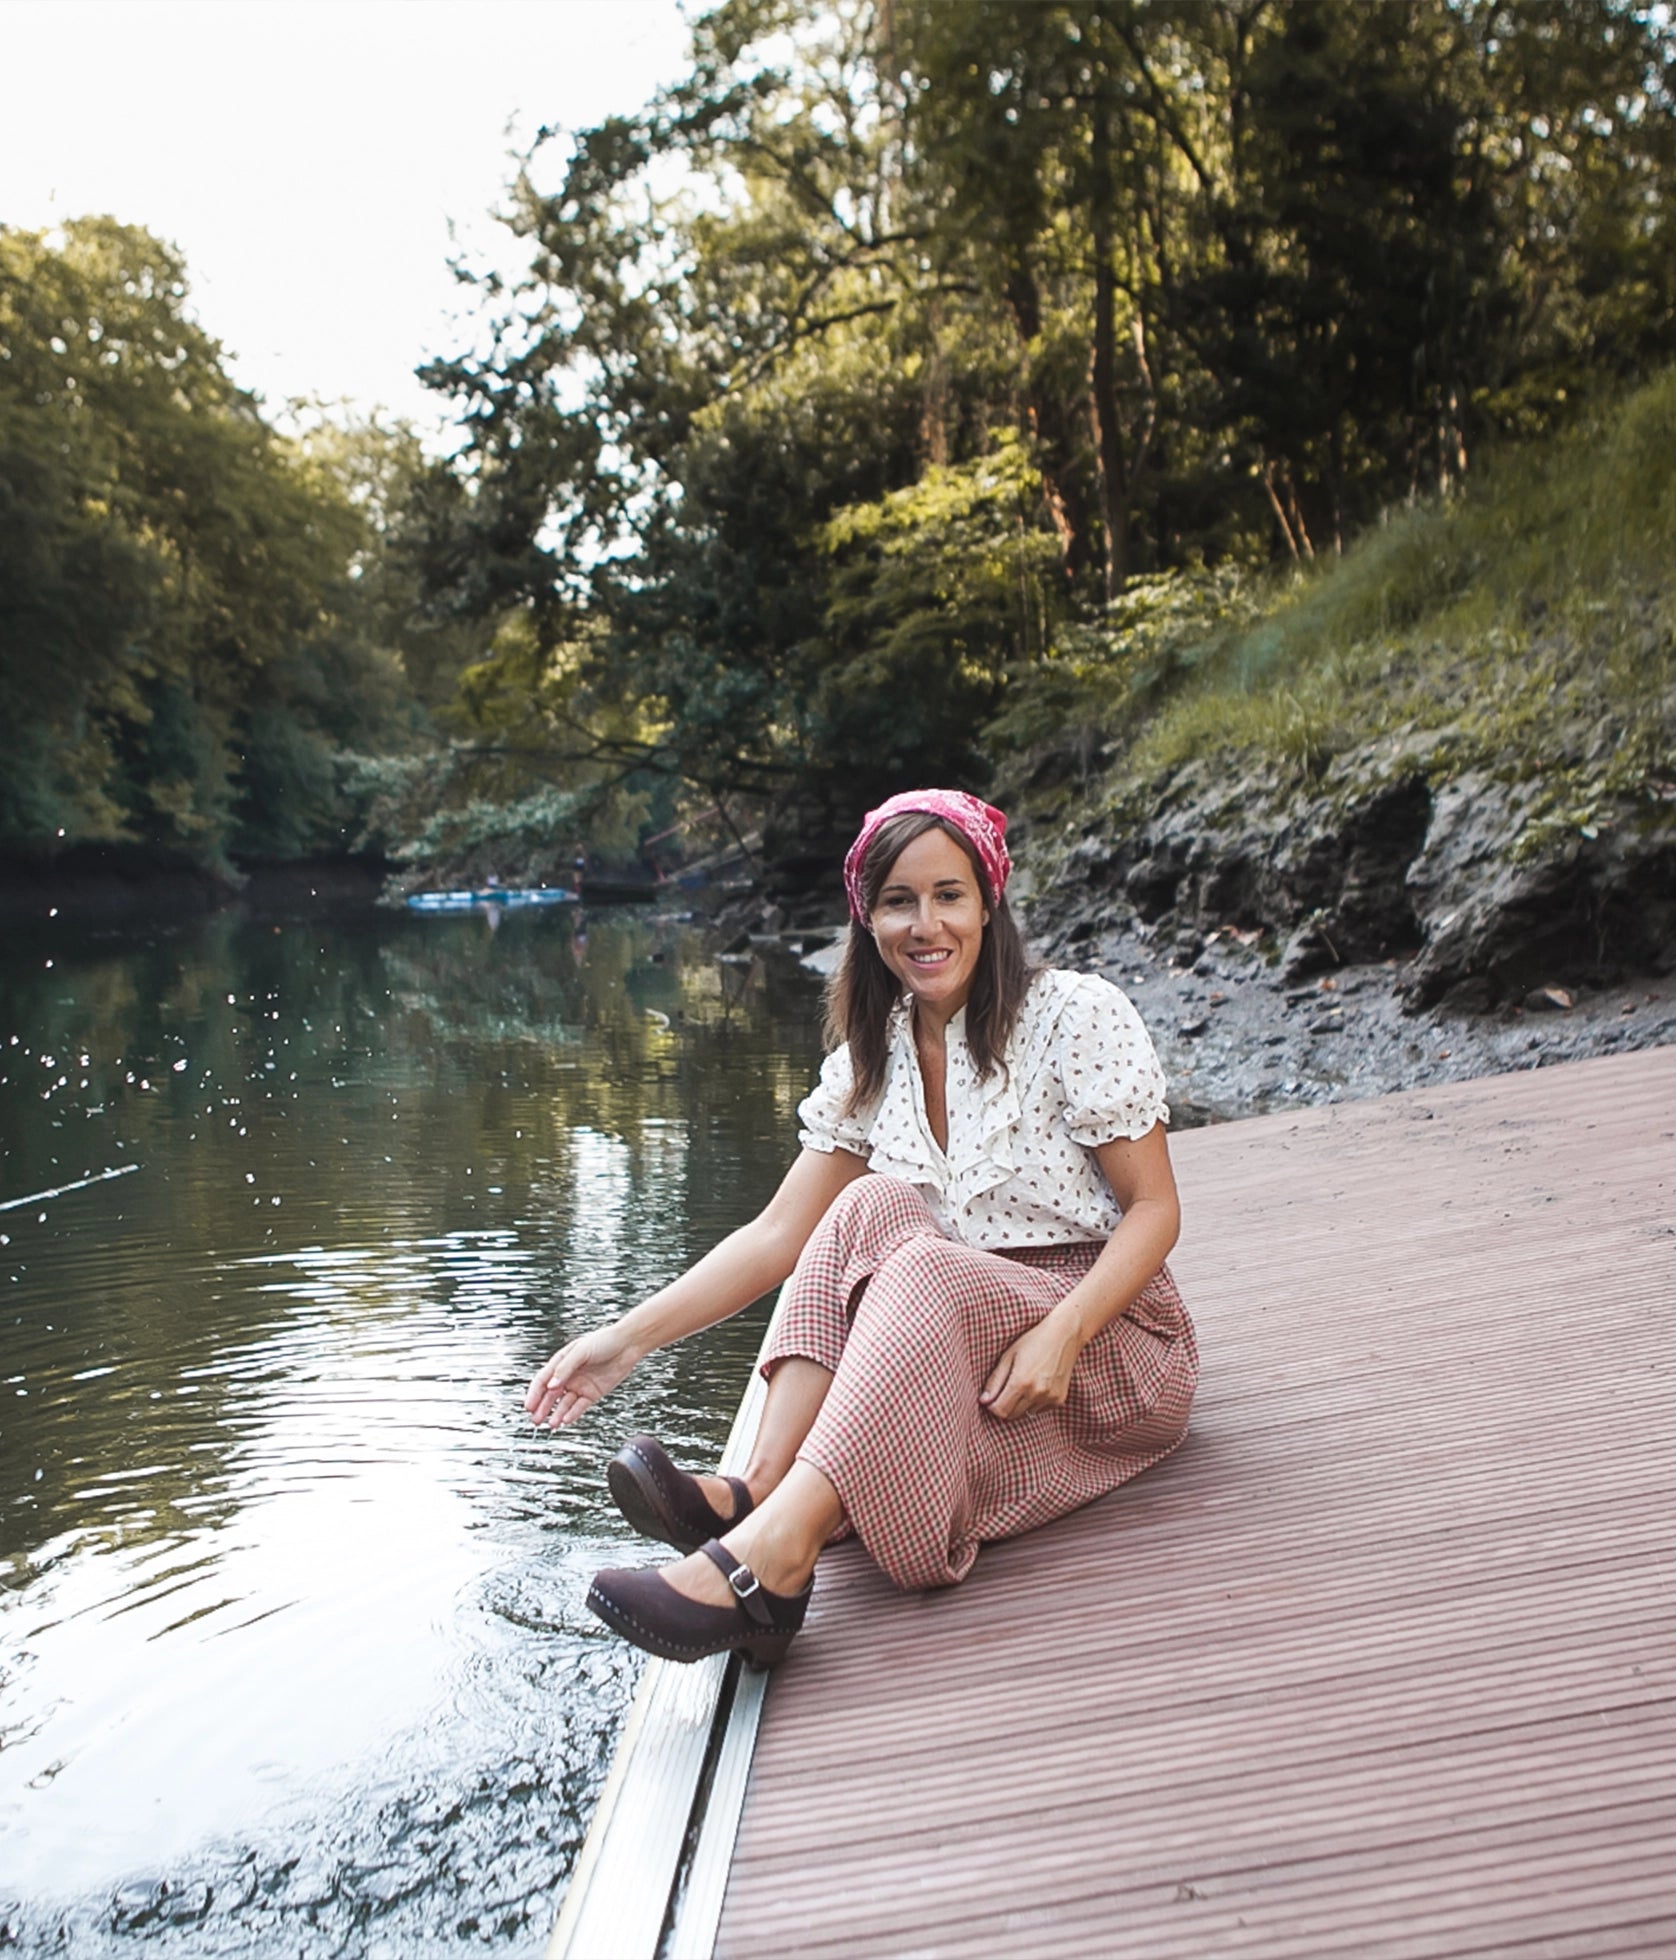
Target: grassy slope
(1528, 627)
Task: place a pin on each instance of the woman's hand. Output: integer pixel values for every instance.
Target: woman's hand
(747, 1264)
(1034, 1372)
(578, 1375)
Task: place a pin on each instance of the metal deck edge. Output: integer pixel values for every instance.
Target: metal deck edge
(698, 1913)
(633, 1857)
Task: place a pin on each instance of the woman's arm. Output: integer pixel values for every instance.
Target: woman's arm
(1035, 1371)
(745, 1265)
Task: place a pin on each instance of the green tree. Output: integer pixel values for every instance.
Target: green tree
(1223, 280)
(694, 387)
(184, 645)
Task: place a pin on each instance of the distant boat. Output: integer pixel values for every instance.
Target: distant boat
(506, 895)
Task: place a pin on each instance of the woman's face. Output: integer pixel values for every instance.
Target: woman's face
(928, 922)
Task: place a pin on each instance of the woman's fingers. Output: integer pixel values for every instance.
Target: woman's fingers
(558, 1396)
(996, 1385)
(1009, 1391)
(541, 1389)
(546, 1390)
(1016, 1387)
(539, 1401)
(558, 1406)
(574, 1400)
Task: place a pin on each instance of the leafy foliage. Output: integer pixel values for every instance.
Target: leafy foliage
(937, 591)
(185, 646)
(914, 387)
(1204, 287)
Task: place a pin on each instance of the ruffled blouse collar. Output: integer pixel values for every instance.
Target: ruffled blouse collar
(983, 1119)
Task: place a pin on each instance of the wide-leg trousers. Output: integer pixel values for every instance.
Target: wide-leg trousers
(909, 1322)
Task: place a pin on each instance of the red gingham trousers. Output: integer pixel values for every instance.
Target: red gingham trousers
(909, 1322)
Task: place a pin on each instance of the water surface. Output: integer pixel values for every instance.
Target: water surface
(292, 1650)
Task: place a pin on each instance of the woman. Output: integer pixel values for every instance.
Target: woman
(980, 1333)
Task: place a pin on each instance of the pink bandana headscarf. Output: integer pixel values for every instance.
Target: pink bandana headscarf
(981, 824)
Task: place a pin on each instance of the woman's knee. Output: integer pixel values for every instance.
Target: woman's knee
(925, 1290)
(874, 1205)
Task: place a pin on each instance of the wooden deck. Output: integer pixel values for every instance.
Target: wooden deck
(1382, 1662)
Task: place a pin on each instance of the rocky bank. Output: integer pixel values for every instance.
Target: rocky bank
(1386, 926)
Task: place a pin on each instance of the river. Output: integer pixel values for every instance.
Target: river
(293, 1656)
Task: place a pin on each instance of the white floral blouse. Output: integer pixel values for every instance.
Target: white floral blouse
(1019, 1170)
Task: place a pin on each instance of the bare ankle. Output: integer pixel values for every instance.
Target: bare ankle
(762, 1478)
(781, 1565)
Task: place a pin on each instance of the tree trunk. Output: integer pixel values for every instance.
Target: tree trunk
(1108, 440)
(1279, 509)
(1277, 478)
(1049, 423)
(934, 397)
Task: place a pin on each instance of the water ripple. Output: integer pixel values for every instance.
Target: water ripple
(293, 1657)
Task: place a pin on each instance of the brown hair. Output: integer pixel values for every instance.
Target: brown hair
(864, 992)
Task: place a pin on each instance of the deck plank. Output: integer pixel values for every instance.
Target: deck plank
(1383, 1660)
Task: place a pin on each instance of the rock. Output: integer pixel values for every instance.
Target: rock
(1309, 950)
(1151, 885)
(1372, 914)
(141, 1904)
(1505, 909)
(1256, 851)
(1472, 883)
(825, 960)
(1548, 1000)
(804, 839)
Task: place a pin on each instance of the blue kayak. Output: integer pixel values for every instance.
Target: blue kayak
(492, 895)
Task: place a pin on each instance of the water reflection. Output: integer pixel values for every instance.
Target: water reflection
(294, 1658)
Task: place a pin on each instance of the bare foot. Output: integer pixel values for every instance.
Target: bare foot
(700, 1578)
(696, 1577)
(781, 1551)
(780, 1541)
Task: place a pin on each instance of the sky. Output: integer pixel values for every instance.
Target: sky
(317, 162)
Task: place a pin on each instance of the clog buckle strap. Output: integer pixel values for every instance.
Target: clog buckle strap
(742, 1582)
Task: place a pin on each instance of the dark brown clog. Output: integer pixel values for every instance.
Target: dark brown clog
(644, 1607)
(663, 1502)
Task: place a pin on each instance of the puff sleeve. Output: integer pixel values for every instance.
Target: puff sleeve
(1108, 1069)
(825, 1126)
